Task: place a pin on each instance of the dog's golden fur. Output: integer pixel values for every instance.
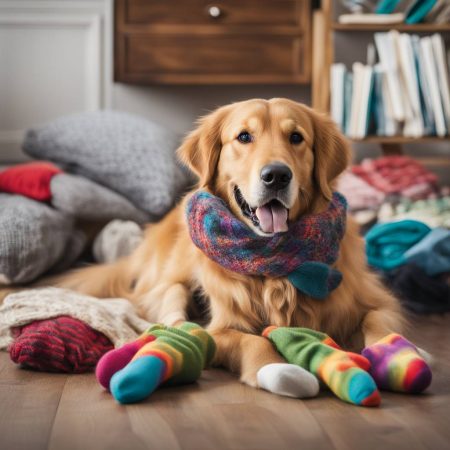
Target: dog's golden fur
(161, 275)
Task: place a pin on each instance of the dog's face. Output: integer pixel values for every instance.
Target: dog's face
(270, 160)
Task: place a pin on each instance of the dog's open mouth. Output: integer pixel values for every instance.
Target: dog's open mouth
(271, 217)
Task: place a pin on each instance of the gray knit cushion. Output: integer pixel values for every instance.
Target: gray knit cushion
(34, 238)
(84, 199)
(128, 154)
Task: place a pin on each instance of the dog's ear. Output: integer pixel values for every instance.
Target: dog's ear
(200, 149)
(332, 152)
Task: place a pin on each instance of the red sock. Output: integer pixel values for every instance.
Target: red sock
(31, 180)
(62, 344)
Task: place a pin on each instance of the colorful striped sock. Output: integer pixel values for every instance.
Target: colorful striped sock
(118, 358)
(345, 373)
(177, 355)
(396, 365)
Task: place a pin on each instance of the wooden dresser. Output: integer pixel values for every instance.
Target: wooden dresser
(212, 42)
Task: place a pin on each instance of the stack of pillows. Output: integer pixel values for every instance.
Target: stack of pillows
(91, 168)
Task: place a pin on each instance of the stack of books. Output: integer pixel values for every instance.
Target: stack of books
(396, 11)
(407, 93)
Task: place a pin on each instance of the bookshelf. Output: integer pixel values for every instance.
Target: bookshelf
(419, 28)
(324, 28)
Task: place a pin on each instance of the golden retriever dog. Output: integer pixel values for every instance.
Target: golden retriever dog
(229, 151)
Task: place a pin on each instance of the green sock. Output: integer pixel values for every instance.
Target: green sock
(345, 373)
(177, 355)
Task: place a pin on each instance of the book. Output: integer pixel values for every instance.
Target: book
(433, 83)
(358, 75)
(443, 77)
(368, 19)
(378, 104)
(337, 79)
(391, 126)
(418, 11)
(393, 6)
(348, 88)
(365, 102)
(424, 89)
(414, 123)
(387, 54)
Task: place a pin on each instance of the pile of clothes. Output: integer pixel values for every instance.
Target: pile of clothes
(405, 216)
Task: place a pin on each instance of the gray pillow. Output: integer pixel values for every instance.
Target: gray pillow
(126, 153)
(34, 239)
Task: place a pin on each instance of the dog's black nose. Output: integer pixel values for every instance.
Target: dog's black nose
(276, 176)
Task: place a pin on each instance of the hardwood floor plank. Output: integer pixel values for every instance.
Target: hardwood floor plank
(87, 417)
(29, 401)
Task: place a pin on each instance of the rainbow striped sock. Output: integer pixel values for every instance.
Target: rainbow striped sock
(397, 366)
(177, 355)
(116, 359)
(343, 372)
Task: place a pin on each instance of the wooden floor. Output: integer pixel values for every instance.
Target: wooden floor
(59, 412)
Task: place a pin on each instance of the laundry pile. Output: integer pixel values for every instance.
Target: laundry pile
(406, 217)
(91, 168)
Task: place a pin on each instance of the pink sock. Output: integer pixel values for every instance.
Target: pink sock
(116, 359)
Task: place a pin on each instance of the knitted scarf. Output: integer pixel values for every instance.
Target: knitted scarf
(303, 254)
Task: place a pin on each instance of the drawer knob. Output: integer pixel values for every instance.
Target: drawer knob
(214, 12)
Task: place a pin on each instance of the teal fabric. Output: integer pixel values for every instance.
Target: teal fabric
(432, 253)
(315, 279)
(137, 380)
(419, 10)
(386, 6)
(387, 243)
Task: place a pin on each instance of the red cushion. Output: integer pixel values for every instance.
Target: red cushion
(30, 180)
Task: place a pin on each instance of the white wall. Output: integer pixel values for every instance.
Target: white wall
(54, 60)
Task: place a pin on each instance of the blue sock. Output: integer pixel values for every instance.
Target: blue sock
(137, 380)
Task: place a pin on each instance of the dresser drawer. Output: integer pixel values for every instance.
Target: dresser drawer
(217, 59)
(178, 42)
(226, 12)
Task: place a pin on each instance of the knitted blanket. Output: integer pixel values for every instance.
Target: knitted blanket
(304, 254)
(115, 318)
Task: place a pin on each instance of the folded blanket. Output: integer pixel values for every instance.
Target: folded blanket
(432, 253)
(115, 318)
(387, 243)
(359, 194)
(397, 174)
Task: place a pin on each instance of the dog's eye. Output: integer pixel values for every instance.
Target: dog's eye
(296, 138)
(245, 137)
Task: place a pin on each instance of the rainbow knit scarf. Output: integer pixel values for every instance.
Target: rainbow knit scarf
(303, 254)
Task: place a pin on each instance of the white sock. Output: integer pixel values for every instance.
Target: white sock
(288, 380)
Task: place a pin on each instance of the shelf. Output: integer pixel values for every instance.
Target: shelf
(418, 28)
(401, 140)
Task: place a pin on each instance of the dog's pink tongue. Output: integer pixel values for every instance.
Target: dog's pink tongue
(272, 218)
